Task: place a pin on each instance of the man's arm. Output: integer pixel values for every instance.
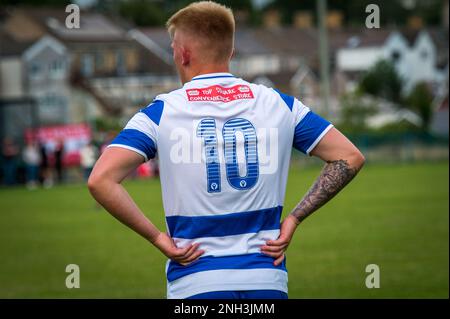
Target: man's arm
(343, 162)
(105, 186)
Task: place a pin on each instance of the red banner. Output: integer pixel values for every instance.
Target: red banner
(73, 136)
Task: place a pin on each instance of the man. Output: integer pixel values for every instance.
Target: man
(88, 156)
(222, 202)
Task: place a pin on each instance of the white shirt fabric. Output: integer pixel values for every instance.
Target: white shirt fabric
(31, 155)
(88, 156)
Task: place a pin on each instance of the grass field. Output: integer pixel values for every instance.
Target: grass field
(395, 216)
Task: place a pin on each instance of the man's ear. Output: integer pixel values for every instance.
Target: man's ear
(185, 56)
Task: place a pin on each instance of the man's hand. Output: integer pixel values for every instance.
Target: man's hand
(105, 185)
(344, 161)
(276, 248)
(183, 256)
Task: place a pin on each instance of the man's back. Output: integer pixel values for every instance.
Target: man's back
(224, 147)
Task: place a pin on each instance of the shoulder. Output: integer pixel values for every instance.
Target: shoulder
(276, 95)
(170, 97)
(156, 108)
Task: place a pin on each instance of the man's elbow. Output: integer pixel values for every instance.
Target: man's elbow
(357, 159)
(94, 183)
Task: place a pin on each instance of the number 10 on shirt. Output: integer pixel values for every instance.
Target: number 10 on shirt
(207, 130)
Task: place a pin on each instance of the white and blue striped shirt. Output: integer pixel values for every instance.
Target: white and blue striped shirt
(224, 147)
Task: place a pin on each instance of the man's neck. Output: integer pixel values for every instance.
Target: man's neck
(207, 70)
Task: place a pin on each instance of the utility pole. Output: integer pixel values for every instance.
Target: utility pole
(323, 55)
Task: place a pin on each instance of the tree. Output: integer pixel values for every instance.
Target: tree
(420, 100)
(382, 80)
(355, 111)
(143, 13)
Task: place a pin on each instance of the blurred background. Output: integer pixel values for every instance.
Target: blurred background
(65, 93)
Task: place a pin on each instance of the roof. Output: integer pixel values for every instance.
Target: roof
(93, 26)
(246, 42)
(160, 36)
(10, 47)
(357, 37)
(288, 40)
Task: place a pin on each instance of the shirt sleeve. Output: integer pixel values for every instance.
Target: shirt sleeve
(141, 132)
(309, 129)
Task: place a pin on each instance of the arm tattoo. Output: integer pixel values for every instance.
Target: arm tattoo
(335, 175)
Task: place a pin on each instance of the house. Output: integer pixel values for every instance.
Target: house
(413, 53)
(105, 71)
(46, 72)
(254, 55)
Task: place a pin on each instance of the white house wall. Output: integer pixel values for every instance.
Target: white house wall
(49, 85)
(423, 59)
(11, 70)
(415, 63)
(255, 64)
(358, 59)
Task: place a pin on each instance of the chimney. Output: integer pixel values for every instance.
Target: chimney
(272, 19)
(415, 22)
(303, 20)
(334, 19)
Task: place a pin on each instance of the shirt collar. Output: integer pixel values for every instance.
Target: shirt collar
(212, 76)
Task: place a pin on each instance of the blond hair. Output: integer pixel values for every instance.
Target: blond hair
(211, 23)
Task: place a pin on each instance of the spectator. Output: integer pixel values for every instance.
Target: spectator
(9, 155)
(58, 157)
(32, 159)
(46, 174)
(107, 140)
(88, 154)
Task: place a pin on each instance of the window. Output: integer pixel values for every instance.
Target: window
(56, 67)
(87, 65)
(99, 60)
(52, 108)
(120, 63)
(424, 54)
(396, 56)
(35, 69)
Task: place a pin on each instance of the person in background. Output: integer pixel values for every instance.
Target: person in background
(32, 159)
(88, 156)
(45, 172)
(107, 140)
(9, 159)
(59, 154)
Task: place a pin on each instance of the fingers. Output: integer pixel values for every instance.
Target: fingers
(279, 260)
(274, 249)
(190, 250)
(188, 254)
(280, 241)
(192, 258)
(181, 252)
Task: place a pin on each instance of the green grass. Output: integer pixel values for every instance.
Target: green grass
(395, 216)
